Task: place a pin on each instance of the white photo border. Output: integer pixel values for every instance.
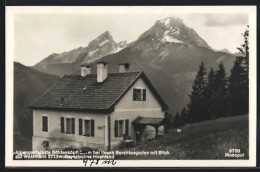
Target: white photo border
(11, 11)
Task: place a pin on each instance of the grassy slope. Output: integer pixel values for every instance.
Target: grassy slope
(205, 140)
(29, 84)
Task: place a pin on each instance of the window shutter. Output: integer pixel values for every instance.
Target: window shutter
(134, 94)
(62, 124)
(144, 94)
(92, 127)
(127, 127)
(80, 126)
(73, 125)
(43, 123)
(116, 128)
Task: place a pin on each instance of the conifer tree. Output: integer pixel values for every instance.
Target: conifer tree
(220, 81)
(236, 88)
(244, 49)
(177, 122)
(168, 121)
(219, 100)
(209, 91)
(239, 79)
(196, 106)
(184, 115)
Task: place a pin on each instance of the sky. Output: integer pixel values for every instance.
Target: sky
(37, 35)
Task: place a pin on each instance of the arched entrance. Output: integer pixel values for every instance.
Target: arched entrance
(140, 124)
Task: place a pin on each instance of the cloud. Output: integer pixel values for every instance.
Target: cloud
(212, 20)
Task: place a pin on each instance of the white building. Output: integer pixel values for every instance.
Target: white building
(96, 110)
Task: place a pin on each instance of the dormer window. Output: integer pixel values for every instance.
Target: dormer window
(139, 94)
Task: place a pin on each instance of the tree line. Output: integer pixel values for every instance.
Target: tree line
(215, 94)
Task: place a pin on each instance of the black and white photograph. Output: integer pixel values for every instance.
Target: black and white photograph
(106, 86)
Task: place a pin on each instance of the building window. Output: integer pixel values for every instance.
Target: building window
(139, 94)
(45, 123)
(121, 127)
(67, 125)
(87, 127)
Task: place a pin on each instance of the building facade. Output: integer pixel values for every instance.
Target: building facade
(97, 110)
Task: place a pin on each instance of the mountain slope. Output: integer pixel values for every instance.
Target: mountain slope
(169, 53)
(170, 65)
(171, 74)
(29, 84)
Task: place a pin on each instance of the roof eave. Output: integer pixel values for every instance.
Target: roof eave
(71, 109)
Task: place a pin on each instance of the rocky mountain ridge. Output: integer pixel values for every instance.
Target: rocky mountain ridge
(101, 46)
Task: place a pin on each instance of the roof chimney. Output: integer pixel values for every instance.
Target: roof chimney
(101, 71)
(85, 70)
(123, 67)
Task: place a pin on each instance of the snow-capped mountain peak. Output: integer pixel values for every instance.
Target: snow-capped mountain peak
(173, 30)
(102, 43)
(121, 45)
(166, 22)
(171, 35)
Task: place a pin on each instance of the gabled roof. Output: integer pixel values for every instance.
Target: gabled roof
(74, 92)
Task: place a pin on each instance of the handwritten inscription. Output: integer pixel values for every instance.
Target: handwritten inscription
(95, 162)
